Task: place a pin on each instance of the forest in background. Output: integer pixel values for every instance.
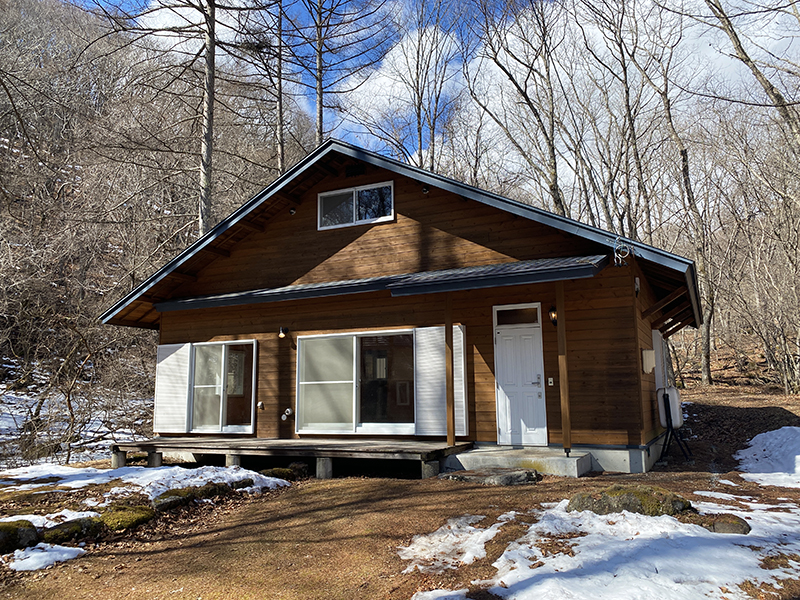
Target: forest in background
(126, 131)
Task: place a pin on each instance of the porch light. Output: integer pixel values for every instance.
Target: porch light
(553, 314)
(282, 332)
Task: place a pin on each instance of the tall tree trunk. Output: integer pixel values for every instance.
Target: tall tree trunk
(279, 133)
(207, 144)
(318, 75)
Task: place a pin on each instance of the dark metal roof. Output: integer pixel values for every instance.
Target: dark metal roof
(283, 186)
(513, 273)
(449, 280)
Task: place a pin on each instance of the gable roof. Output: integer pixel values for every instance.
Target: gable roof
(140, 307)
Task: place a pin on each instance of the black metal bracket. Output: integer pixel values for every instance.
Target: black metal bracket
(672, 434)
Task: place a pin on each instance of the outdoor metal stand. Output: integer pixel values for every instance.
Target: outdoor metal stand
(672, 434)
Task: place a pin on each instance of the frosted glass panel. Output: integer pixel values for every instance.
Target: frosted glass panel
(205, 413)
(326, 359)
(326, 406)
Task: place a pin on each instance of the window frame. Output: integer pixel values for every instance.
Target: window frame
(222, 429)
(356, 426)
(354, 191)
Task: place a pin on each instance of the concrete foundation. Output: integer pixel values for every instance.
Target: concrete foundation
(233, 460)
(553, 460)
(549, 461)
(154, 459)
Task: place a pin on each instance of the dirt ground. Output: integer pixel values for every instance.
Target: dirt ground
(338, 538)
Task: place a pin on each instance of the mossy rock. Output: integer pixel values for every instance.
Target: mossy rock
(72, 530)
(120, 518)
(280, 473)
(181, 497)
(210, 490)
(642, 499)
(17, 534)
(242, 483)
(718, 523)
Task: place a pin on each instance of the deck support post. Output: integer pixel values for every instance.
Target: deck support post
(449, 370)
(118, 458)
(324, 468)
(563, 372)
(233, 460)
(430, 468)
(154, 459)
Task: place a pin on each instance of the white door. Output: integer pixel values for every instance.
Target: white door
(519, 374)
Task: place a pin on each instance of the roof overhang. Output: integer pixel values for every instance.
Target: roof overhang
(139, 307)
(411, 284)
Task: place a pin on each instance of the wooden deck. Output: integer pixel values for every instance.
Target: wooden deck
(324, 450)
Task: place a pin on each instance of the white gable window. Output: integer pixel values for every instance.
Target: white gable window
(356, 206)
(205, 388)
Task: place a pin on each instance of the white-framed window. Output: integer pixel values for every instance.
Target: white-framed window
(206, 387)
(372, 203)
(356, 382)
(378, 382)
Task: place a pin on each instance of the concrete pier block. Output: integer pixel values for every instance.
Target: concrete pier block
(233, 460)
(324, 468)
(430, 468)
(118, 459)
(154, 459)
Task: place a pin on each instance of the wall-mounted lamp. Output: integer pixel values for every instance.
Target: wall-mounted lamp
(425, 189)
(553, 314)
(282, 332)
(636, 286)
(292, 210)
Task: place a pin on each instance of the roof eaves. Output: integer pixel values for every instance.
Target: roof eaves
(564, 224)
(296, 292)
(217, 230)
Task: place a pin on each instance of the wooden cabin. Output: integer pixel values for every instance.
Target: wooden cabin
(360, 298)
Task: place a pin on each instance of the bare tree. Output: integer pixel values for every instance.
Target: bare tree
(404, 101)
(330, 41)
(518, 44)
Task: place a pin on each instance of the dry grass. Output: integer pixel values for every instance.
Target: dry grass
(339, 538)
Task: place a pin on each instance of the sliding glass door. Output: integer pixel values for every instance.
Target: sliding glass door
(223, 385)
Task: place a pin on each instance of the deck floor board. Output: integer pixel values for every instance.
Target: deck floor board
(319, 448)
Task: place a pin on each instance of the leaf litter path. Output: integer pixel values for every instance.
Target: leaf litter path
(340, 538)
(321, 539)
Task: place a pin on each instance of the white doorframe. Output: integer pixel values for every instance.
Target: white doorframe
(521, 407)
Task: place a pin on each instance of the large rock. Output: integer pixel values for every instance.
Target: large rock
(642, 499)
(17, 534)
(719, 523)
(495, 476)
(72, 530)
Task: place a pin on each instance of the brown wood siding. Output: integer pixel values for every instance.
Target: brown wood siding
(438, 230)
(604, 383)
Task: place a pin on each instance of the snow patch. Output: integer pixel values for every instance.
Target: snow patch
(772, 458)
(627, 556)
(441, 595)
(41, 556)
(52, 519)
(456, 543)
(149, 481)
